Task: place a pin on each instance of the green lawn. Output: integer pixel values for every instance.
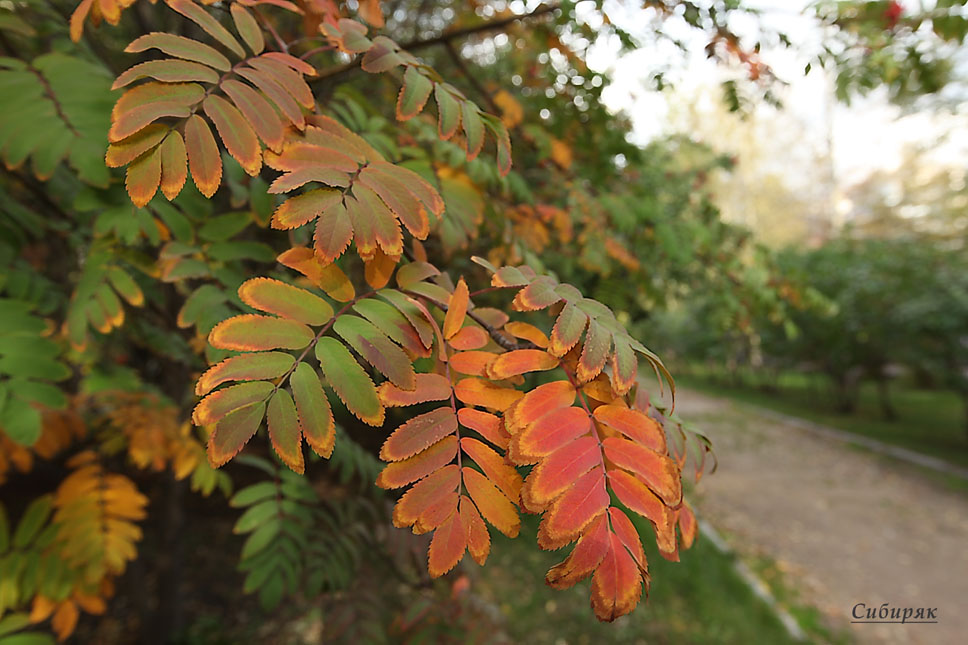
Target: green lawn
(697, 600)
(930, 421)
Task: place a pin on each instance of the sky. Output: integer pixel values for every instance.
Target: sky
(867, 135)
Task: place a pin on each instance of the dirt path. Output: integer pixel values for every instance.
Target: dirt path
(846, 525)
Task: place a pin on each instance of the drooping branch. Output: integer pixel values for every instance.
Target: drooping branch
(446, 37)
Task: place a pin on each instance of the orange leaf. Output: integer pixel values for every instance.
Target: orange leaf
(617, 583)
(379, 268)
(174, 165)
(436, 514)
(447, 546)
(418, 434)
(456, 310)
(425, 493)
(549, 433)
(478, 539)
(486, 424)
(143, 178)
(584, 558)
(658, 472)
(65, 619)
(634, 424)
(401, 473)
(284, 432)
(203, 157)
(491, 502)
(522, 361)
(538, 402)
(574, 510)
(558, 471)
(472, 363)
(469, 338)
(475, 391)
(430, 387)
(527, 332)
(299, 210)
(504, 476)
(237, 135)
(638, 498)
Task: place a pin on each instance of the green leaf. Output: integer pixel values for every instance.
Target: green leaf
(20, 421)
(377, 349)
(284, 432)
(285, 300)
(4, 532)
(261, 537)
(42, 393)
(254, 493)
(350, 381)
(250, 333)
(312, 407)
(33, 519)
(232, 433)
(245, 367)
(448, 112)
(414, 93)
(222, 227)
(256, 516)
(218, 404)
(180, 47)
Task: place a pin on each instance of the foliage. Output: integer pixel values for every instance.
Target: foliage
(366, 204)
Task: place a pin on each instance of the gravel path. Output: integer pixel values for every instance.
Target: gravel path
(846, 525)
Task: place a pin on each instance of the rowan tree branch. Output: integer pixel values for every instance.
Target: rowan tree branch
(446, 37)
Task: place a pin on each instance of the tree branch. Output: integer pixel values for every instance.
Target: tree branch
(446, 37)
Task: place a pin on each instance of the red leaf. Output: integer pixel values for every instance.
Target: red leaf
(419, 433)
(638, 498)
(617, 584)
(658, 472)
(538, 402)
(549, 433)
(574, 510)
(558, 471)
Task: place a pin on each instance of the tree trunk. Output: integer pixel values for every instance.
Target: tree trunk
(883, 394)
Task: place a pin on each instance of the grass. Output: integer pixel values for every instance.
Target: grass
(929, 421)
(697, 600)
